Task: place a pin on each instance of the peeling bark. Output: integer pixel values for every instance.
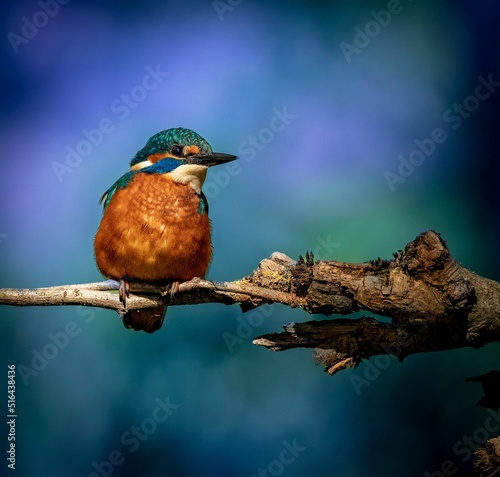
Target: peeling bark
(430, 300)
(487, 459)
(433, 302)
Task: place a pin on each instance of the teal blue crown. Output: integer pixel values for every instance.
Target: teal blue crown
(164, 141)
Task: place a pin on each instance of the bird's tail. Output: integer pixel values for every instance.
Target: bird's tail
(147, 319)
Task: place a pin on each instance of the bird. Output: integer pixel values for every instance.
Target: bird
(155, 226)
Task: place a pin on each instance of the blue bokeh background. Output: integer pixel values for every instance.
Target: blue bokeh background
(317, 182)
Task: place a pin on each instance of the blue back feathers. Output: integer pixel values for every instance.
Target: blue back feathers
(123, 181)
(203, 206)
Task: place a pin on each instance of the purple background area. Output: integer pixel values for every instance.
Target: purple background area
(317, 127)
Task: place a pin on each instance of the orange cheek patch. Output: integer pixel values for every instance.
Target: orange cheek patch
(191, 150)
(153, 158)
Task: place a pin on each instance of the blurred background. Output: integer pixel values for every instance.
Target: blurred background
(325, 103)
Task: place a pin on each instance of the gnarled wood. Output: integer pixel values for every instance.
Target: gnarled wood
(432, 302)
(487, 458)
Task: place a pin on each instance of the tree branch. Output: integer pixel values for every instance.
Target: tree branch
(103, 295)
(487, 458)
(433, 302)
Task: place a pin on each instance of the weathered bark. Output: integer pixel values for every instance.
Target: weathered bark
(432, 303)
(487, 459)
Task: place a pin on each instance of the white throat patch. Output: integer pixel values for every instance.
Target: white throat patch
(192, 174)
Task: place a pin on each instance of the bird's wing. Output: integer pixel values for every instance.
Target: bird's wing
(123, 181)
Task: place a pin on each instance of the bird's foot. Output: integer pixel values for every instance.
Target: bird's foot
(124, 291)
(174, 288)
(171, 289)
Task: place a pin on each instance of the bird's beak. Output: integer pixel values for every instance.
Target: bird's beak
(213, 159)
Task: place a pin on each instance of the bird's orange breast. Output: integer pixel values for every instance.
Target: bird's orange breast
(154, 230)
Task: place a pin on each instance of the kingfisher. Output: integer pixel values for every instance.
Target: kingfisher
(155, 226)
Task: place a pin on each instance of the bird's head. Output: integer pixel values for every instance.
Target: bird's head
(182, 153)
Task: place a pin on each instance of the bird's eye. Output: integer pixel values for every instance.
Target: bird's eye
(177, 150)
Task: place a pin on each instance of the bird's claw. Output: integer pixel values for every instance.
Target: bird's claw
(124, 291)
(170, 289)
(174, 288)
